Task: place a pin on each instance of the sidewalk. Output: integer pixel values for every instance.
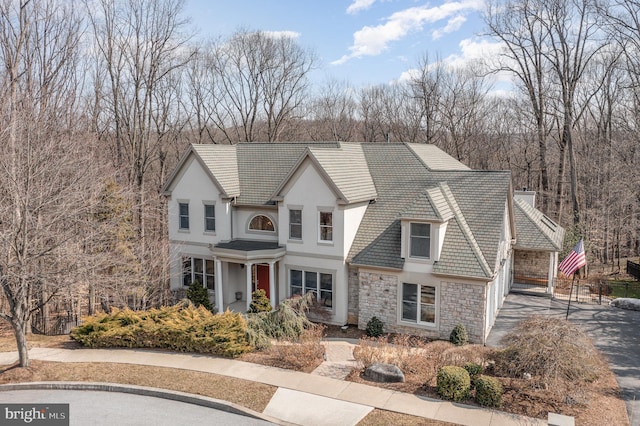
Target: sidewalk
(326, 400)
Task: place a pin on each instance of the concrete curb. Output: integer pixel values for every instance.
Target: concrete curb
(188, 398)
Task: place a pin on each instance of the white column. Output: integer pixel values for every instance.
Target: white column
(248, 266)
(272, 283)
(552, 268)
(218, 287)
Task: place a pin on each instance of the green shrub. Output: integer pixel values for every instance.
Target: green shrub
(488, 391)
(259, 302)
(453, 383)
(474, 370)
(199, 295)
(375, 327)
(183, 328)
(458, 335)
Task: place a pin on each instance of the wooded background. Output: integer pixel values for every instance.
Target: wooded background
(99, 99)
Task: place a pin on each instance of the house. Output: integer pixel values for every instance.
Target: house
(400, 231)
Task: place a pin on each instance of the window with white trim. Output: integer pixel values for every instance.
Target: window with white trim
(261, 223)
(418, 303)
(326, 226)
(209, 217)
(295, 224)
(183, 215)
(198, 269)
(319, 283)
(420, 240)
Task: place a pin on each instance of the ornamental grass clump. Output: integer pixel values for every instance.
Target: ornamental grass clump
(287, 322)
(453, 383)
(183, 328)
(549, 349)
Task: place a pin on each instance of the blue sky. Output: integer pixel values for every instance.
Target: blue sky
(361, 41)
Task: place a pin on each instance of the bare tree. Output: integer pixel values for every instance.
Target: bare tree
(426, 89)
(139, 44)
(259, 84)
(517, 24)
(332, 115)
(46, 173)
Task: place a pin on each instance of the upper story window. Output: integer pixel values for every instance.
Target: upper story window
(261, 223)
(295, 224)
(326, 226)
(209, 217)
(420, 240)
(184, 215)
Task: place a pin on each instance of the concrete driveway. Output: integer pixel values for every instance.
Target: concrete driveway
(615, 332)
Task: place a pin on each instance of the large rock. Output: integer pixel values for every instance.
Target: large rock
(626, 303)
(384, 373)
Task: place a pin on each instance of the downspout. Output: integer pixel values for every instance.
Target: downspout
(231, 202)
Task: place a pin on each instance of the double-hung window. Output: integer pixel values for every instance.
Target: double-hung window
(295, 224)
(318, 283)
(183, 215)
(420, 240)
(418, 303)
(209, 217)
(326, 226)
(200, 270)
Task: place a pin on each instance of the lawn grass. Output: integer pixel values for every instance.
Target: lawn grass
(625, 289)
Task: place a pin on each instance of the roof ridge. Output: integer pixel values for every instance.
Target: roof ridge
(466, 229)
(529, 211)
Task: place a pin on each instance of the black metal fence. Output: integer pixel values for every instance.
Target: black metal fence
(600, 292)
(633, 269)
(54, 325)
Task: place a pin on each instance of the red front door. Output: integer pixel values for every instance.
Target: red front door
(262, 278)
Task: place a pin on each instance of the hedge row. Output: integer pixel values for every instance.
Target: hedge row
(182, 327)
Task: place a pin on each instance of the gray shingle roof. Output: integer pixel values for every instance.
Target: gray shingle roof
(222, 162)
(429, 205)
(436, 159)
(347, 168)
(534, 230)
(476, 198)
(263, 166)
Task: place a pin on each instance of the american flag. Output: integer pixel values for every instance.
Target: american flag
(574, 261)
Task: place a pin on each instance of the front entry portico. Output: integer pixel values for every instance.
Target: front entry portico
(242, 266)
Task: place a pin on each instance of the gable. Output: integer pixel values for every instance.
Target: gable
(218, 162)
(344, 170)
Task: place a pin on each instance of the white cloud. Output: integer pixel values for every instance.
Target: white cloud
(475, 52)
(359, 5)
(373, 40)
(282, 34)
(454, 24)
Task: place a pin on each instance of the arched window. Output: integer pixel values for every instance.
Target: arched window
(261, 223)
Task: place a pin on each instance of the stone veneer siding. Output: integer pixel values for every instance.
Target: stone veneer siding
(463, 304)
(531, 264)
(457, 303)
(353, 294)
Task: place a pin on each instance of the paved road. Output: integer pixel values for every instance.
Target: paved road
(112, 408)
(615, 332)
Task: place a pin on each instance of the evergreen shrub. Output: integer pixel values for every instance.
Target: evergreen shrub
(453, 383)
(458, 335)
(488, 391)
(375, 327)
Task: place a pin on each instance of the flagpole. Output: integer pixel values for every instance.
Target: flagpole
(570, 293)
